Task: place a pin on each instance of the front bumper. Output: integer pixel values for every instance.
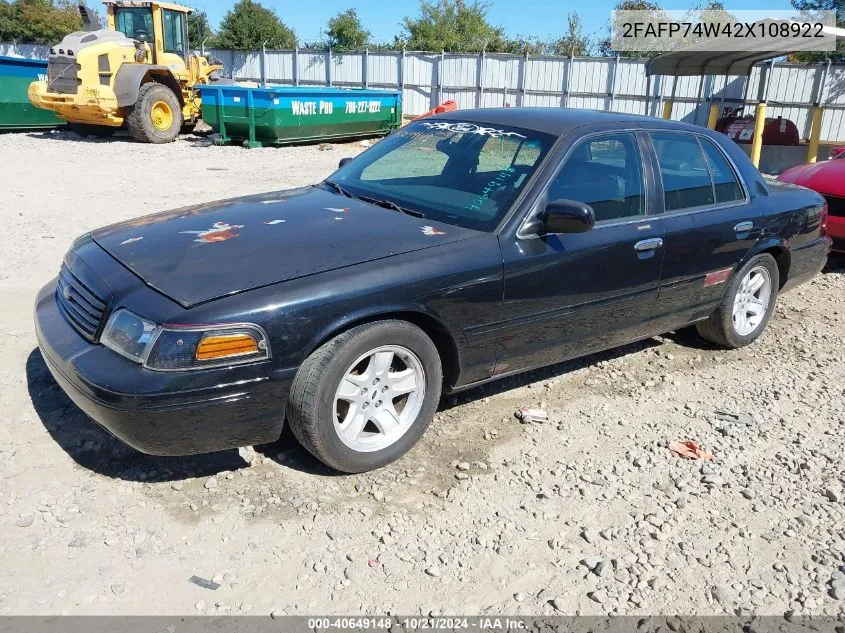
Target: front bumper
(99, 109)
(836, 231)
(161, 413)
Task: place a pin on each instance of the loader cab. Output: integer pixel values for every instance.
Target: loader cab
(163, 26)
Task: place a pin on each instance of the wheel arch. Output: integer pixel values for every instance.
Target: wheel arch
(434, 328)
(130, 78)
(780, 250)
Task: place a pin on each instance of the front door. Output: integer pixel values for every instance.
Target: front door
(570, 294)
(709, 226)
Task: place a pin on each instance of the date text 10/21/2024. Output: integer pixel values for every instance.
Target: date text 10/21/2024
(417, 623)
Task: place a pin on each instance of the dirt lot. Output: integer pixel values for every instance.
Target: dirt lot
(588, 513)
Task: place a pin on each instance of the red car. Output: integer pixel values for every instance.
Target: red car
(827, 178)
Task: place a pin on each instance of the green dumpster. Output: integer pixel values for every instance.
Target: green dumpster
(16, 112)
(281, 115)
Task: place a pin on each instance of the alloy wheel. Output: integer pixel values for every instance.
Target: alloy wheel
(752, 300)
(379, 398)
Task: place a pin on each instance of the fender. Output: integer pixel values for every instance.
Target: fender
(129, 77)
(428, 322)
(779, 247)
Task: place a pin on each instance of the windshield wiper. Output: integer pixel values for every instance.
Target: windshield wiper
(389, 204)
(338, 188)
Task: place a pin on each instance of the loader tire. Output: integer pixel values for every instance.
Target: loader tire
(87, 129)
(157, 116)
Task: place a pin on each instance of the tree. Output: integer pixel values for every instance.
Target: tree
(522, 44)
(38, 21)
(810, 6)
(198, 28)
(248, 25)
(7, 22)
(651, 11)
(713, 12)
(453, 25)
(574, 42)
(345, 32)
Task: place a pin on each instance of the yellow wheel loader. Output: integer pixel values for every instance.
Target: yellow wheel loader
(138, 72)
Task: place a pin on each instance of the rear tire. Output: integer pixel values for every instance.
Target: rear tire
(156, 116)
(365, 397)
(745, 309)
(88, 129)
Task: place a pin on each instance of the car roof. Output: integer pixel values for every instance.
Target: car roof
(558, 121)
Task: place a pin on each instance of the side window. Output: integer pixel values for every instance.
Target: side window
(725, 182)
(606, 173)
(686, 180)
(174, 32)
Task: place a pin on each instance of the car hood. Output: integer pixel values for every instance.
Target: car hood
(195, 254)
(826, 177)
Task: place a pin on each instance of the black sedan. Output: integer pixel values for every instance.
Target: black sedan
(459, 249)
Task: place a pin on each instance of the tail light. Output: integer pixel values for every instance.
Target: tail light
(823, 221)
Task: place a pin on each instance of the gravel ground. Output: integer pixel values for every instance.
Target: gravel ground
(586, 513)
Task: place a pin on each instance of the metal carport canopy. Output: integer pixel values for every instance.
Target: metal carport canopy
(714, 57)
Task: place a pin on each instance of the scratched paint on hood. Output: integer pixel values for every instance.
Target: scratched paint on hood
(430, 230)
(177, 261)
(219, 232)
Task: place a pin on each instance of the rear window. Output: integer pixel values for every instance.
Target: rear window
(725, 183)
(695, 173)
(683, 170)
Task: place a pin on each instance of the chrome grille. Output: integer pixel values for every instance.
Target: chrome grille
(62, 74)
(80, 305)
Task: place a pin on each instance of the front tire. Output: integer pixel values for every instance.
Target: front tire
(747, 306)
(156, 116)
(365, 397)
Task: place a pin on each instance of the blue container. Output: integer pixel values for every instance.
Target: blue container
(279, 115)
(16, 112)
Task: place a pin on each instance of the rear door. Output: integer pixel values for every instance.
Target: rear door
(569, 294)
(709, 225)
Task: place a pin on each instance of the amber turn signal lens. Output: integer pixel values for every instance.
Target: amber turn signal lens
(226, 345)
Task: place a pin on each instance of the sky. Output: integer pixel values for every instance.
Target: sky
(540, 18)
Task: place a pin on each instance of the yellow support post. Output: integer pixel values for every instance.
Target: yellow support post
(757, 139)
(714, 116)
(815, 133)
(667, 109)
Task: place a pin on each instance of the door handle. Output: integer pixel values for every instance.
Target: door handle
(744, 227)
(648, 245)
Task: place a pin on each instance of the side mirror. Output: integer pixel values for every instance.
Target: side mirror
(567, 216)
(343, 161)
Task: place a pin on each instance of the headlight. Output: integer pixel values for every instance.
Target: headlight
(128, 334)
(175, 348)
(181, 348)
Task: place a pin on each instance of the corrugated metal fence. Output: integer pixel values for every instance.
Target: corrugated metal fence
(484, 80)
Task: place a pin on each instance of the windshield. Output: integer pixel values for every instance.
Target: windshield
(456, 172)
(134, 22)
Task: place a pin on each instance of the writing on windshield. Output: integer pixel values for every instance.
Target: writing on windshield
(458, 172)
